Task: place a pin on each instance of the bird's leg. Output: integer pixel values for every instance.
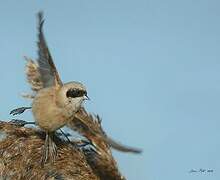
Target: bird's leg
(45, 151)
(19, 110)
(52, 148)
(49, 149)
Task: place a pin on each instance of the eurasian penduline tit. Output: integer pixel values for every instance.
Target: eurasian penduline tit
(55, 104)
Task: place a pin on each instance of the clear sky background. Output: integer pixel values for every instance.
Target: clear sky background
(152, 68)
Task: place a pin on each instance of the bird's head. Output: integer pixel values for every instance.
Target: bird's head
(72, 94)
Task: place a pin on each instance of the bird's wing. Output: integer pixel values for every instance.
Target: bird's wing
(120, 147)
(33, 75)
(47, 68)
(90, 127)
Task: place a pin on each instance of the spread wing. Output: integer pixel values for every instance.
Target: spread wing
(46, 66)
(90, 127)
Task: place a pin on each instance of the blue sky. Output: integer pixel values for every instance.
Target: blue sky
(152, 69)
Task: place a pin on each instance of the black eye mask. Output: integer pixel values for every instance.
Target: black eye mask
(73, 93)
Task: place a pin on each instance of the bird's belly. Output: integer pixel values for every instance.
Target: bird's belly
(48, 115)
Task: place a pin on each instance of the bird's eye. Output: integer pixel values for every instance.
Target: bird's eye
(73, 93)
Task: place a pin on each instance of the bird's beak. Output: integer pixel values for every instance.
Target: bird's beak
(86, 97)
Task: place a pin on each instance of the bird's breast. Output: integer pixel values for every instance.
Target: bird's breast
(48, 115)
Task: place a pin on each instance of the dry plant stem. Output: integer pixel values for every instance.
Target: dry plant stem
(21, 151)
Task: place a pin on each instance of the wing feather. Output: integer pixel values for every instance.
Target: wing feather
(33, 75)
(47, 68)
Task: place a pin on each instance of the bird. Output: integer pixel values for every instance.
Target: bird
(44, 80)
(54, 103)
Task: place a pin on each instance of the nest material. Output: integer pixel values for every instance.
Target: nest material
(21, 150)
